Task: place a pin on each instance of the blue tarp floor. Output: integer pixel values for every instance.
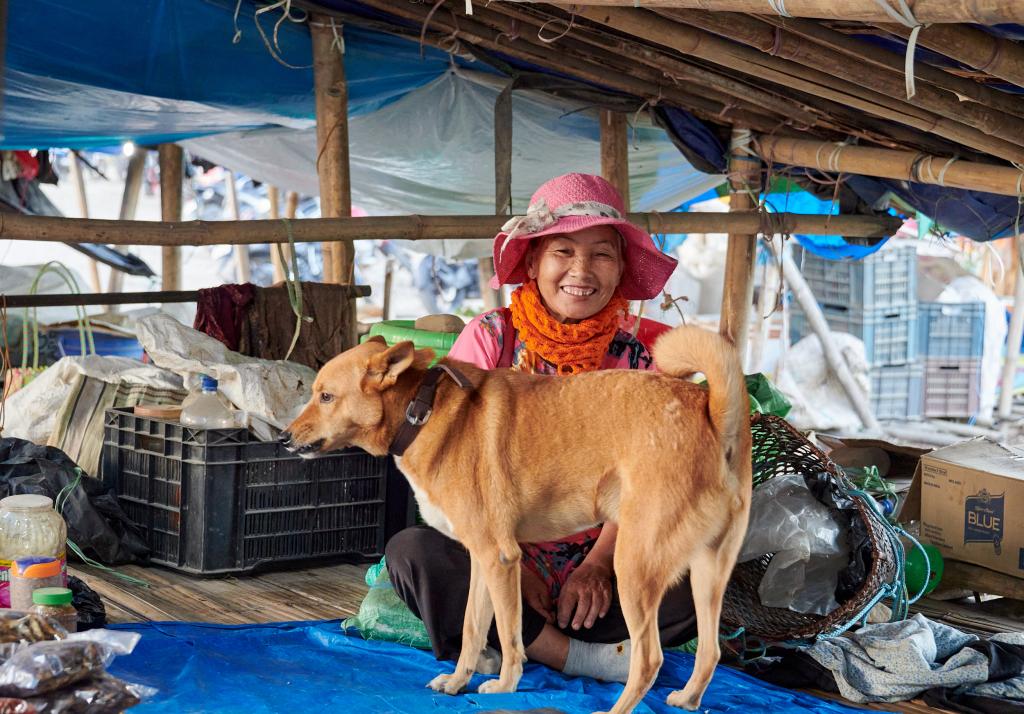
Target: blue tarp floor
(315, 666)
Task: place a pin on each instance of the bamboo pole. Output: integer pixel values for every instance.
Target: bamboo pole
(69, 299)
(982, 12)
(170, 156)
(274, 196)
(83, 212)
(711, 48)
(129, 203)
(242, 266)
(76, 230)
(887, 163)
(625, 79)
(331, 93)
(615, 152)
(1013, 339)
(990, 54)
(502, 188)
(895, 63)
(782, 43)
(744, 194)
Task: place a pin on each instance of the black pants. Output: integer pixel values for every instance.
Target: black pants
(430, 573)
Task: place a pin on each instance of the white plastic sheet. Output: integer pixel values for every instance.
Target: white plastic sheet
(819, 400)
(31, 412)
(270, 392)
(406, 160)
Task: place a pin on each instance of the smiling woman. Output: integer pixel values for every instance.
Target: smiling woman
(578, 263)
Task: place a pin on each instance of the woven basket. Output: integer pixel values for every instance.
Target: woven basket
(778, 450)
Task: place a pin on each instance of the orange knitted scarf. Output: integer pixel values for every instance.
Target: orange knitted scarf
(571, 348)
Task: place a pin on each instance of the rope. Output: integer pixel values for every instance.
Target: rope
(568, 28)
(905, 16)
(339, 41)
(636, 117)
(293, 284)
(58, 505)
(286, 14)
(779, 7)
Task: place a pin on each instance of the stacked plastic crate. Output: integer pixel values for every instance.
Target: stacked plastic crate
(874, 299)
(952, 339)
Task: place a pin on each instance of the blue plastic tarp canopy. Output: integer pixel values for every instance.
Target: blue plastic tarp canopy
(315, 666)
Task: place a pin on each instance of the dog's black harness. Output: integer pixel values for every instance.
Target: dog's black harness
(422, 405)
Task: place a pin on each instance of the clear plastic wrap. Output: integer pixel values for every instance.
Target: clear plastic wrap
(48, 666)
(810, 546)
(102, 694)
(27, 627)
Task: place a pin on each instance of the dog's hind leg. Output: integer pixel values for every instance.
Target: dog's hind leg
(641, 585)
(503, 582)
(709, 575)
(479, 613)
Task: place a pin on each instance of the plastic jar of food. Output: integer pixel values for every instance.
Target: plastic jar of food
(29, 527)
(55, 603)
(30, 574)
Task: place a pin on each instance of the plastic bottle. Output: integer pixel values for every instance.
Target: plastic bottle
(31, 574)
(55, 603)
(28, 527)
(207, 408)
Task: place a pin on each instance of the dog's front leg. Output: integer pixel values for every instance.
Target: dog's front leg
(479, 613)
(503, 582)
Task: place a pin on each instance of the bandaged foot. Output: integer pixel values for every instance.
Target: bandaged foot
(600, 661)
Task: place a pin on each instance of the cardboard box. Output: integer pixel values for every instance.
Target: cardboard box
(972, 504)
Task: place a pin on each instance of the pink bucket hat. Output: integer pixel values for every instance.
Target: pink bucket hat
(572, 203)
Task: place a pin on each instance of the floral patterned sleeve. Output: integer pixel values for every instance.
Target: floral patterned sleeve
(480, 341)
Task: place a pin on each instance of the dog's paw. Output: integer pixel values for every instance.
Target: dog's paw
(446, 683)
(684, 700)
(495, 686)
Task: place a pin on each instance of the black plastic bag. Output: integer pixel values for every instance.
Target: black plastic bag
(96, 523)
(91, 612)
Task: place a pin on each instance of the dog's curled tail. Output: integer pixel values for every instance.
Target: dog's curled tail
(687, 350)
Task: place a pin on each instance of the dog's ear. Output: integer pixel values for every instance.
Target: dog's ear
(377, 338)
(383, 369)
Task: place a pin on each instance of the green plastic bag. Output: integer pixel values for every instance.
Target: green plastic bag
(765, 398)
(383, 616)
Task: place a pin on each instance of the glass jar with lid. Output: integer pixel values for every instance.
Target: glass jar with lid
(28, 527)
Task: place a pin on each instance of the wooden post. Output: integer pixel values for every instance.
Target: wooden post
(83, 211)
(615, 152)
(331, 94)
(244, 274)
(745, 187)
(1013, 340)
(129, 202)
(389, 273)
(280, 269)
(170, 210)
(502, 187)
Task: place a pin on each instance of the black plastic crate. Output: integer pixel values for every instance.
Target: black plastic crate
(220, 501)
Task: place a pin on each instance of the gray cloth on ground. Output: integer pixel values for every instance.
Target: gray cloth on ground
(897, 661)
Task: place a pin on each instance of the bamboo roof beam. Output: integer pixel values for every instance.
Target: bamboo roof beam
(486, 37)
(712, 48)
(788, 45)
(982, 12)
(313, 230)
(886, 163)
(984, 52)
(863, 52)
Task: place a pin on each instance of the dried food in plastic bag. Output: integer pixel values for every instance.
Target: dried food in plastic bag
(103, 694)
(16, 706)
(119, 642)
(28, 627)
(47, 666)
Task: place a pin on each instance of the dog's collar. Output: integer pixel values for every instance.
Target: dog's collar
(422, 405)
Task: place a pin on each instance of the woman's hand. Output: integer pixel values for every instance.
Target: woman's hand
(588, 591)
(537, 595)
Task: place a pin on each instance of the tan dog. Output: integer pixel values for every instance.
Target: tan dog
(525, 458)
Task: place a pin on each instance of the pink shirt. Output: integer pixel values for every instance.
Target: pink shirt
(481, 343)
